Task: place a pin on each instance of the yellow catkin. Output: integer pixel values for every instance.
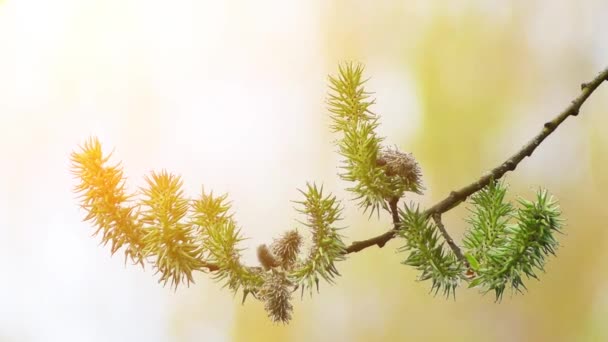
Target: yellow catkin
(169, 239)
(102, 194)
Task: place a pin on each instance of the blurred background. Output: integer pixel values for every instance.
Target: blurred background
(230, 94)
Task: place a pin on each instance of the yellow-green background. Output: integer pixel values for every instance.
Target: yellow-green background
(230, 94)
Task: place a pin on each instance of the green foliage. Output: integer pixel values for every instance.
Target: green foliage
(327, 246)
(360, 146)
(426, 252)
(505, 251)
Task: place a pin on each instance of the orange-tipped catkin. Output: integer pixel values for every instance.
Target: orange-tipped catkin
(103, 196)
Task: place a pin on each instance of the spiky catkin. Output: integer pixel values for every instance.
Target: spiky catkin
(220, 237)
(266, 258)
(349, 106)
(287, 248)
(403, 165)
(168, 237)
(426, 253)
(103, 196)
(489, 218)
(503, 253)
(322, 212)
(209, 210)
(276, 294)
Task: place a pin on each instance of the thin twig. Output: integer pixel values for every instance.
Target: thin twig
(448, 239)
(381, 239)
(392, 204)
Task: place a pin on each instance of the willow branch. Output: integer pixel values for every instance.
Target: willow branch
(460, 195)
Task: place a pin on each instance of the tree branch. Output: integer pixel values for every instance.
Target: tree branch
(459, 196)
(382, 239)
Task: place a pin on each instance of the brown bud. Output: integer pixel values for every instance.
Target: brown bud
(397, 163)
(266, 258)
(287, 247)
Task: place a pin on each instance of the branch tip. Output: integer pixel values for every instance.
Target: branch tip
(458, 196)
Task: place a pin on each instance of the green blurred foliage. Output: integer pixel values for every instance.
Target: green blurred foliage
(466, 69)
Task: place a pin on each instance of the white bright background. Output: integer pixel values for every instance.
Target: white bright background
(229, 94)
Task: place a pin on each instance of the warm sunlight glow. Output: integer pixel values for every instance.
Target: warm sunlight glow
(225, 103)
